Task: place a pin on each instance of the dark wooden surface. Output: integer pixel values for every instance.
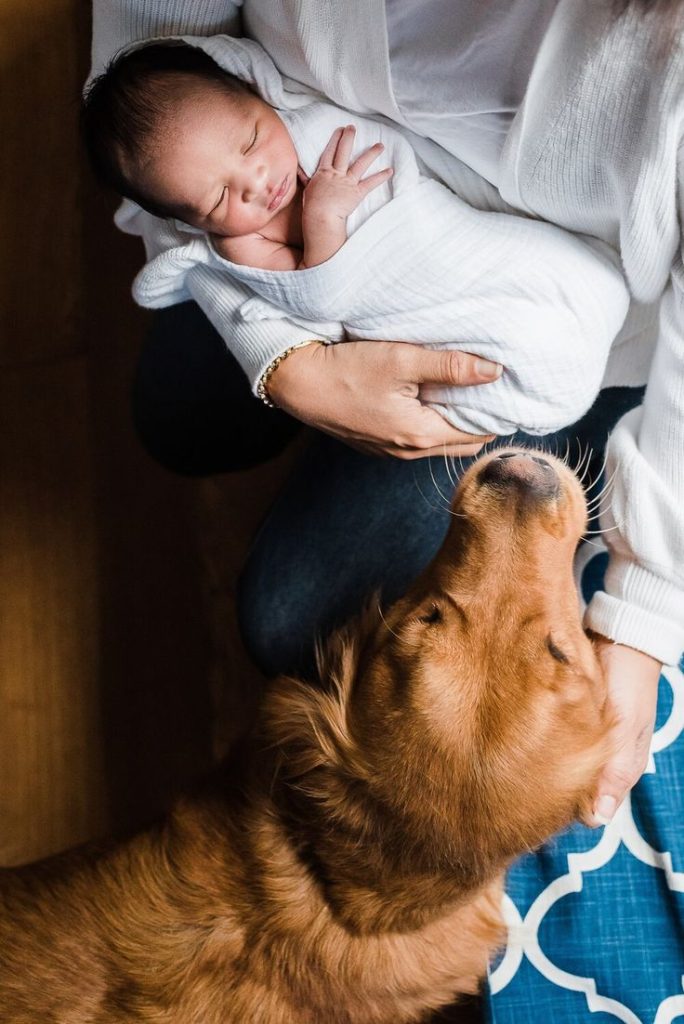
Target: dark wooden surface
(121, 674)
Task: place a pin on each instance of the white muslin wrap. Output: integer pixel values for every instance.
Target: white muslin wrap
(422, 266)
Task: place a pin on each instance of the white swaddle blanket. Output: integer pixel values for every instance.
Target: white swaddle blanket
(422, 266)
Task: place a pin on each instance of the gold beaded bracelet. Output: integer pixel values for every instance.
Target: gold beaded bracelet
(262, 385)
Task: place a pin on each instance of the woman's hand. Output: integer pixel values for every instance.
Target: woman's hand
(633, 691)
(366, 394)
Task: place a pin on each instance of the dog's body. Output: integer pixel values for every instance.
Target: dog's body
(346, 867)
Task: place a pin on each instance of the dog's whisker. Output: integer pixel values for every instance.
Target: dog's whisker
(445, 499)
(606, 485)
(593, 543)
(604, 461)
(573, 461)
(556, 450)
(597, 533)
(585, 463)
(566, 457)
(447, 467)
(587, 467)
(600, 504)
(389, 628)
(599, 475)
(440, 507)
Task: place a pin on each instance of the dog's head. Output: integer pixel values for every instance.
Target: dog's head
(483, 673)
(473, 713)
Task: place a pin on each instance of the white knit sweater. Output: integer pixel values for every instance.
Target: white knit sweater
(595, 149)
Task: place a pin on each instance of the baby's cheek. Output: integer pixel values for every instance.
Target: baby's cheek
(238, 222)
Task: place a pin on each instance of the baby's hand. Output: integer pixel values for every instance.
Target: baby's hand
(338, 186)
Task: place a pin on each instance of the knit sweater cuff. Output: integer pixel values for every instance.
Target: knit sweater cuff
(640, 610)
(272, 338)
(254, 343)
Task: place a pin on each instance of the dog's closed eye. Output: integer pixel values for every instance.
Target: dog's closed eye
(434, 615)
(556, 652)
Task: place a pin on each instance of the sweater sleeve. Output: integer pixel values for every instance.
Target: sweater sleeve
(182, 267)
(643, 602)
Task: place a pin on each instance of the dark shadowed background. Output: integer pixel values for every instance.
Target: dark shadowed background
(122, 677)
(121, 674)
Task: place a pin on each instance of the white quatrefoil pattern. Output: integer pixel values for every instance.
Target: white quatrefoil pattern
(596, 917)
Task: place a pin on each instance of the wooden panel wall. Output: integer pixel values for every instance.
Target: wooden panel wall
(118, 650)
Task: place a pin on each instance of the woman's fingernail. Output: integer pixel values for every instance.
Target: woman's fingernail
(487, 369)
(605, 809)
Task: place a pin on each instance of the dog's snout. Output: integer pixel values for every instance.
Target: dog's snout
(530, 473)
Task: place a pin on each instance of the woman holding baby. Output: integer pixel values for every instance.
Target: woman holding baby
(570, 111)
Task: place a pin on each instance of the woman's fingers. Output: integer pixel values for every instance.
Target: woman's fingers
(408, 455)
(448, 366)
(457, 451)
(632, 679)
(367, 394)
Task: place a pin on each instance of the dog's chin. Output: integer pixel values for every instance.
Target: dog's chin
(523, 487)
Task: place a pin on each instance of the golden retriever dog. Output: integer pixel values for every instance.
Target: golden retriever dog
(346, 866)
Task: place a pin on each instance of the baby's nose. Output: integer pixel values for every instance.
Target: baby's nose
(255, 183)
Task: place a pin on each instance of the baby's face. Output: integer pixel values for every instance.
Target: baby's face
(225, 164)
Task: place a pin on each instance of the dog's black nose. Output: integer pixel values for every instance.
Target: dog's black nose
(528, 472)
(518, 455)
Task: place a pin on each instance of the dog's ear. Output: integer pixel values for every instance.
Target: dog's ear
(310, 724)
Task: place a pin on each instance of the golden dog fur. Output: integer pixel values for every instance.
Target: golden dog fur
(346, 866)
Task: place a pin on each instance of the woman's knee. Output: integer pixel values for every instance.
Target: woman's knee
(345, 528)
(277, 627)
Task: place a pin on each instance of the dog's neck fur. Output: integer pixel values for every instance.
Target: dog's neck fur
(379, 878)
(370, 886)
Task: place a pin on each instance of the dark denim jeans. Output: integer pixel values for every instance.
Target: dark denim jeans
(345, 524)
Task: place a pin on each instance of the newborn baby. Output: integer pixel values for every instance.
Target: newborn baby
(280, 200)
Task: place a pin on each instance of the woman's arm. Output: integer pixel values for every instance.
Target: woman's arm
(643, 602)
(641, 612)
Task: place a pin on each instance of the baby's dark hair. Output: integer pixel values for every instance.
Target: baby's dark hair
(127, 103)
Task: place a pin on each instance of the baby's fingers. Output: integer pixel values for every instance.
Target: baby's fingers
(343, 150)
(328, 154)
(363, 162)
(374, 180)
